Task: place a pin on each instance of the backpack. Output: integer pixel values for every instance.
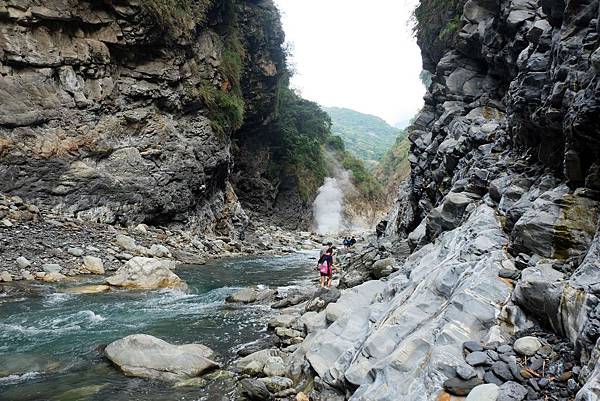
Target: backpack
(324, 268)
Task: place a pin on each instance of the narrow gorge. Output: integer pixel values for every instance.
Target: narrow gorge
(157, 178)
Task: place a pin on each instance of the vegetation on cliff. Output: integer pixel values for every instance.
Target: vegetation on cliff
(367, 137)
(178, 17)
(308, 150)
(436, 24)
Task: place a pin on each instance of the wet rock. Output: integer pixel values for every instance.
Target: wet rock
(53, 277)
(264, 343)
(260, 357)
(251, 295)
(145, 356)
(274, 366)
(255, 390)
(527, 345)
(146, 273)
(276, 384)
(88, 289)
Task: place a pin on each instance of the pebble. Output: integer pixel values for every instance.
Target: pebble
(75, 251)
(502, 370)
(478, 358)
(461, 387)
(511, 391)
(493, 355)
(484, 392)
(504, 349)
(536, 363)
(527, 346)
(465, 372)
(490, 377)
(472, 346)
(23, 263)
(572, 386)
(51, 268)
(7, 223)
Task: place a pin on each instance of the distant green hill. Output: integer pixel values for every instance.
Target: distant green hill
(366, 136)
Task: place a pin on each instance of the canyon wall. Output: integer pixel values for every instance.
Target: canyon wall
(114, 113)
(496, 231)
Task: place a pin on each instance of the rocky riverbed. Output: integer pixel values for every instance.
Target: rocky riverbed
(37, 244)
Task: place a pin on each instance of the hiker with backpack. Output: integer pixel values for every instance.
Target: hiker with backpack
(325, 266)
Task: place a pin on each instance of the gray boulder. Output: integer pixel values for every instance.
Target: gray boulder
(146, 273)
(145, 356)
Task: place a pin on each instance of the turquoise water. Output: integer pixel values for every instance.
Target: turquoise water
(51, 342)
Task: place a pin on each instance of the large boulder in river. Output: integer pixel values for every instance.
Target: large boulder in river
(145, 356)
(147, 273)
(250, 295)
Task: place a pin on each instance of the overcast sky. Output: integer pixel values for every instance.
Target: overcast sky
(356, 54)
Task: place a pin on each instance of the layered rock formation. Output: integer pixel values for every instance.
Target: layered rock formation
(501, 213)
(111, 115)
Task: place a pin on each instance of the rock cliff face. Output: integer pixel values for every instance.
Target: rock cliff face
(501, 213)
(108, 116)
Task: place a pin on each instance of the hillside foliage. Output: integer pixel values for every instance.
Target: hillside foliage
(365, 136)
(309, 151)
(178, 17)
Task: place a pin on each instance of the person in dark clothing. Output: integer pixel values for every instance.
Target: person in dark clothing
(325, 267)
(326, 247)
(380, 229)
(352, 241)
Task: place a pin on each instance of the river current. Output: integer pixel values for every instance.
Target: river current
(51, 341)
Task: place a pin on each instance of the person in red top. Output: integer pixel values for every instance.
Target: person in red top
(326, 268)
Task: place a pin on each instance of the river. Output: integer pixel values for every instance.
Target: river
(51, 342)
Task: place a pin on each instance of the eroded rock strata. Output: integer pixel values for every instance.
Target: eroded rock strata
(110, 114)
(501, 215)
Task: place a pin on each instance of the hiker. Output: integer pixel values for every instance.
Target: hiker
(325, 266)
(381, 227)
(326, 247)
(346, 242)
(352, 241)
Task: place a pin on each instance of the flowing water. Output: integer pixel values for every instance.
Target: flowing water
(51, 341)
